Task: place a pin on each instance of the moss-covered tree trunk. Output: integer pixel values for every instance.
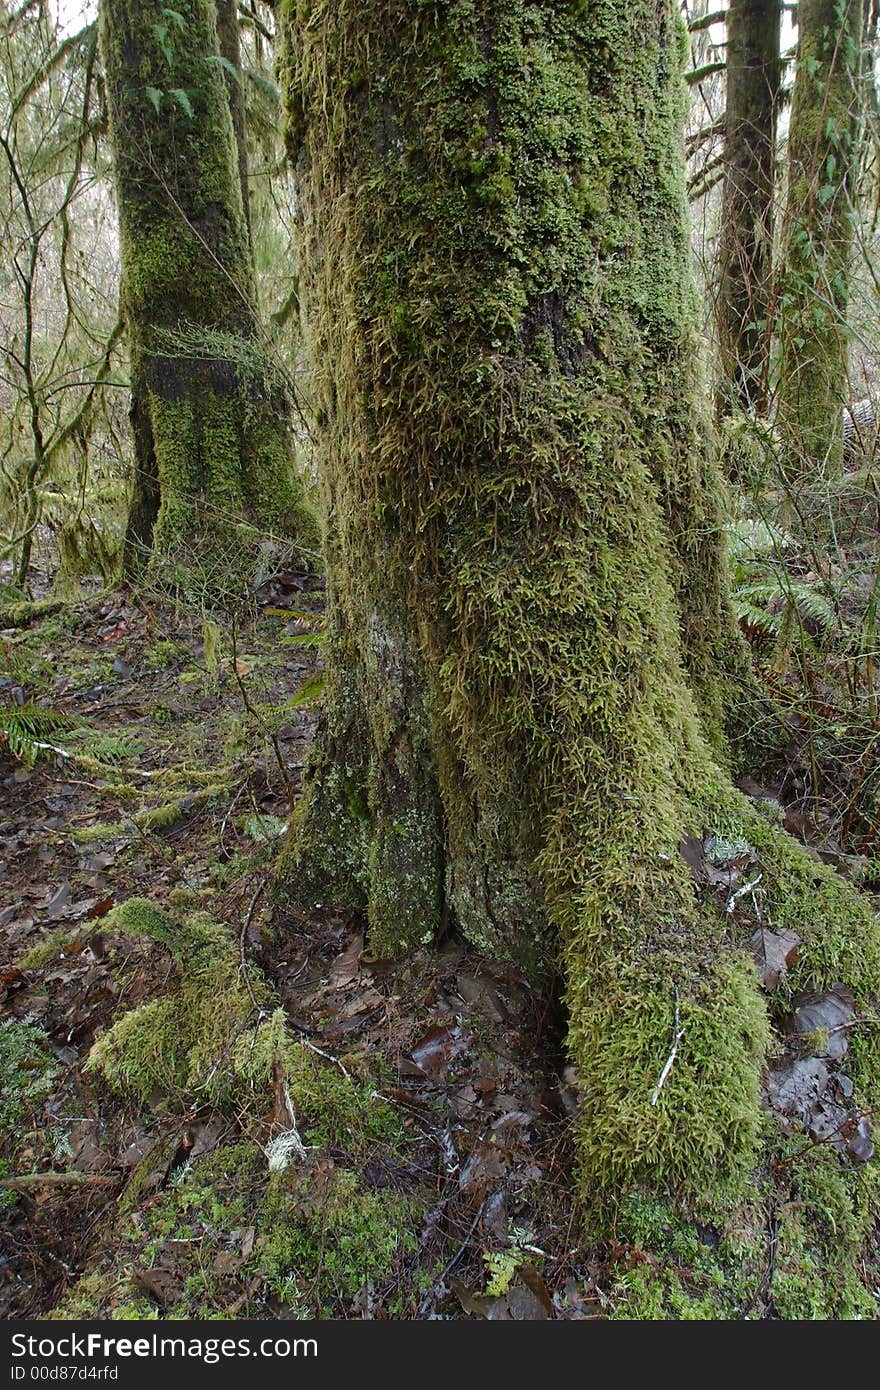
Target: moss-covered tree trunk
(529, 642)
(746, 242)
(818, 235)
(210, 424)
(230, 51)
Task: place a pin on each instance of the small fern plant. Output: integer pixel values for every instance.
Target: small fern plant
(778, 610)
(26, 729)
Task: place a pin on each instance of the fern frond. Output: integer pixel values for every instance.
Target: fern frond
(24, 728)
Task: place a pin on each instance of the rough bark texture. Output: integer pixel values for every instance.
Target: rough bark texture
(230, 49)
(528, 627)
(210, 434)
(814, 294)
(746, 246)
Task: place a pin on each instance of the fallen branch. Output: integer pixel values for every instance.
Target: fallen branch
(25, 1181)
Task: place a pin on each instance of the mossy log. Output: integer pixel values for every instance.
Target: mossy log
(532, 660)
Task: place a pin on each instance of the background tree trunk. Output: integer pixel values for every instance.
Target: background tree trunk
(754, 70)
(230, 49)
(818, 237)
(210, 426)
(529, 639)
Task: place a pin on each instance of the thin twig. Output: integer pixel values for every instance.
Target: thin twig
(249, 917)
(679, 1034)
(741, 892)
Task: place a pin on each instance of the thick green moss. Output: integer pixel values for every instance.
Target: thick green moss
(531, 656)
(27, 1070)
(793, 1250)
(180, 1042)
(330, 1238)
(320, 1238)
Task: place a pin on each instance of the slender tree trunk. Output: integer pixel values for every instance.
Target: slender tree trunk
(210, 425)
(519, 509)
(818, 239)
(746, 246)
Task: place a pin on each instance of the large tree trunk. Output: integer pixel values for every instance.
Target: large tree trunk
(818, 236)
(529, 641)
(754, 70)
(209, 422)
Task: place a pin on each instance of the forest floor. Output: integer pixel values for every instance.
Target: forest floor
(421, 1167)
(169, 777)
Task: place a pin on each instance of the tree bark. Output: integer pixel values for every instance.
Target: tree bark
(754, 70)
(209, 422)
(818, 235)
(525, 687)
(230, 49)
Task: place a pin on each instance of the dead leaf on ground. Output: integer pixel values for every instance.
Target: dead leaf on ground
(774, 953)
(534, 1281)
(162, 1286)
(476, 1304)
(830, 1011)
(482, 1170)
(438, 1047)
(346, 967)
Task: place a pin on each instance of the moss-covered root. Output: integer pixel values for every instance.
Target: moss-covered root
(180, 1042)
(673, 1084)
(673, 1063)
(214, 1035)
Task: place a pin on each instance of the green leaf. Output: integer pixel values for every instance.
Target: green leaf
(303, 639)
(183, 101)
(176, 17)
(826, 193)
(161, 34)
(312, 689)
(263, 85)
(155, 96)
(225, 64)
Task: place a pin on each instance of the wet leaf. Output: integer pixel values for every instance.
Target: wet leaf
(58, 900)
(346, 967)
(692, 854)
(162, 1286)
(830, 1011)
(494, 1219)
(534, 1281)
(473, 1303)
(796, 1086)
(100, 908)
(774, 953)
(482, 1170)
(438, 1048)
(859, 1143)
